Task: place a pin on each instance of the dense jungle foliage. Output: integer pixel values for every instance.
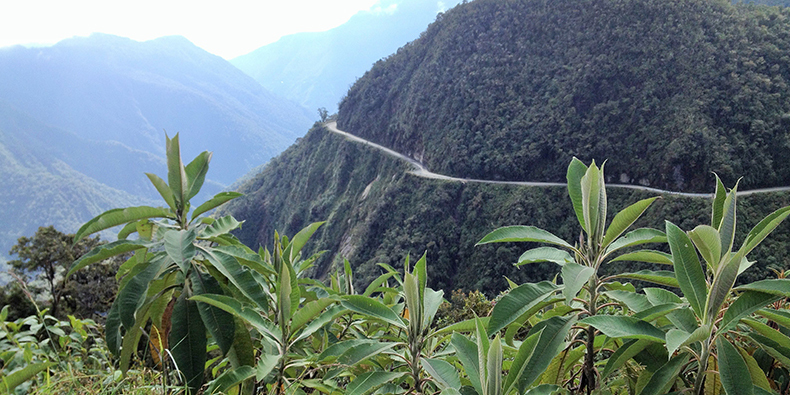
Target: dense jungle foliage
(672, 90)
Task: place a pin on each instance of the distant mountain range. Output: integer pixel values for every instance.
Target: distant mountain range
(316, 69)
(82, 120)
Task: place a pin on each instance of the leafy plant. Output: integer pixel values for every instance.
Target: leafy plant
(721, 320)
(175, 257)
(580, 294)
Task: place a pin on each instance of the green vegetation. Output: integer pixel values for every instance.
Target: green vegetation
(218, 317)
(513, 90)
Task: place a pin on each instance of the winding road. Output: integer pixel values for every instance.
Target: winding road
(420, 171)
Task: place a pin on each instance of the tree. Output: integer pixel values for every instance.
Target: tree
(43, 258)
(323, 113)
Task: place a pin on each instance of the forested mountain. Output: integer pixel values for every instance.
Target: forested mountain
(316, 69)
(665, 91)
(82, 120)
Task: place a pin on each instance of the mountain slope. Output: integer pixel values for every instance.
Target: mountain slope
(316, 69)
(667, 91)
(481, 96)
(109, 88)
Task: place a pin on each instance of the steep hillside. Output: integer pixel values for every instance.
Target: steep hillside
(39, 187)
(667, 91)
(316, 69)
(376, 212)
(108, 88)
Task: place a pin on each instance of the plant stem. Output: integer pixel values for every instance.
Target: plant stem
(703, 366)
(588, 379)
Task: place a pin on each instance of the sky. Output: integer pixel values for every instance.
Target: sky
(228, 28)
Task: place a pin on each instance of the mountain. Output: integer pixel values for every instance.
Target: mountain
(109, 88)
(667, 91)
(316, 69)
(511, 90)
(42, 183)
(81, 121)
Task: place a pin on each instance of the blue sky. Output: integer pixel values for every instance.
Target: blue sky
(229, 28)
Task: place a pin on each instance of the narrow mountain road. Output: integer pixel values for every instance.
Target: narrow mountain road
(420, 171)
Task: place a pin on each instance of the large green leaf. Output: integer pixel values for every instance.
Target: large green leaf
(708, 242)
(718, 203)
(550, 342)
(682, 318)
(545, 254)
(219, 323)
(494, 367)
(562, 364)
(105, 251)
(758, 375)
(746, 304)
(320, 321)
(249, 315)
(284, 295)
(523, 233)
(677, 338)
(299, 240)
(764, 228)
(196, 173)
(781, 317)
(649, 256)
(518, 301)
(462, 326)
(733, 371)
(362, 351)
(624, 353)
(774, 286)
(721, 288)
(119, 216)
(661, 277)
(728, 222)
(131, 296)
(637, 237)
(574, 276)
(663, 378)
(218, 200)
(576, 171)
(230, 378)
(521, 361)
(367, 382)
(625, 327)
(176, 175)
(238, 275)
(220, 226)
(18, 377)
(112, 328)
(309, 311)
(163, 189)
(624, 219)
(188, 342)
(688, 270)
(771, 347)
(594, 201)
(466, 351)
(180, 247)
(372, 308)
(443, 372)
